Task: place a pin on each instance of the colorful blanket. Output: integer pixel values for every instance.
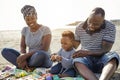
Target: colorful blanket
(37, 74)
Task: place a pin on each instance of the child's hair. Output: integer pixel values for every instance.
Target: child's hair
(69, 34)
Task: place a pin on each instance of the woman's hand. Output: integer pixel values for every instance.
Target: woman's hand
(21, 58)
(21, 61)
(23, 65)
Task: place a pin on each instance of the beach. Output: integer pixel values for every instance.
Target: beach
(11, 39)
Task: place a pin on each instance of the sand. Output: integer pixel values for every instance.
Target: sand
(11, 39)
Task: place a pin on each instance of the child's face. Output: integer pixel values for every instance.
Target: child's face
(66, 43)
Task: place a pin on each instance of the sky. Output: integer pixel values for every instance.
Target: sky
(54, 13)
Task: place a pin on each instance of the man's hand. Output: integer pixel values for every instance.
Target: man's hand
(81, 53)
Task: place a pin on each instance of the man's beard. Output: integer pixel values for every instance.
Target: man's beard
(92, 32)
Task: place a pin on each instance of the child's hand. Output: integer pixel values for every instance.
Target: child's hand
(58, 58)
(53, 57)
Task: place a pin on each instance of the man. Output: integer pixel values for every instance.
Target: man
(96, 36)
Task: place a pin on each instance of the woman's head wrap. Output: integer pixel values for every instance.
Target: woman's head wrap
(28, 10)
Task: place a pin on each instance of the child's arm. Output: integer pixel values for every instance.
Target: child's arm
(58, 58)
(66, 63)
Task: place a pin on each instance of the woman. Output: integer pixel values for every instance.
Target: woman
(37, 38)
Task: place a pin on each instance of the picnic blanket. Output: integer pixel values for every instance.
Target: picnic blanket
(36, 74)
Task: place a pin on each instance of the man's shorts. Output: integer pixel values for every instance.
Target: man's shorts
(97, 63)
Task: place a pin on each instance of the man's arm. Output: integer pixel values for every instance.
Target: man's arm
(106, 47)
(76, 44)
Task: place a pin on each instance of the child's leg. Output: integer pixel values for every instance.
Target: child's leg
(56, 69)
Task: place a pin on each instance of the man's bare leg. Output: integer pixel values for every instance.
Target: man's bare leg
(63, 75)
(108, 70)
(85, 72)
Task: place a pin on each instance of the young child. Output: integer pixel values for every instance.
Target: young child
(64, 67)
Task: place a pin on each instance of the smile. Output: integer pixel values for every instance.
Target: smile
(31, 24)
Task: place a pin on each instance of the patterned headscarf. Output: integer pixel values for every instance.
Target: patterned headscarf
(28, 10)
